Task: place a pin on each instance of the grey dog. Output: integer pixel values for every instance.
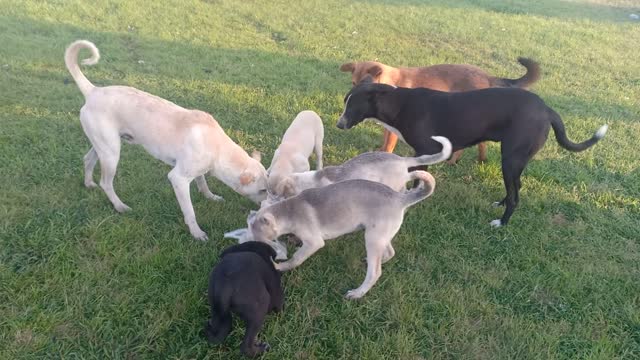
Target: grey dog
(386, 168)
(320, 214)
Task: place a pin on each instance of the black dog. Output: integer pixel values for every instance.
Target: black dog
(246, 283)
(518, 119)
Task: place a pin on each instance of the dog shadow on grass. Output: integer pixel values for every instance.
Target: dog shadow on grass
(234, 85)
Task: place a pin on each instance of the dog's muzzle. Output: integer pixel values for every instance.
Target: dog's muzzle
(342, 123)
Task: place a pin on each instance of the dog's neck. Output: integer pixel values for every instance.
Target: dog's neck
(305, 180)
(281, 211)
(387, 108)
(229, 168)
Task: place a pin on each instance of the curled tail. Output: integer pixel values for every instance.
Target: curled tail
(532, 75)
(435, 158)
(71, 60)
(423, 191)
(561, 135)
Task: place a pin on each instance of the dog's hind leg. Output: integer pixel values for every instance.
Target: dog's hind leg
(108, 151)
(388, 254)
(90, 160)
(482, 152)
(250, 345)
(201, 182)
(455, 157)
(377, 243)
(218, 327)
(512, 167)
(180, 185)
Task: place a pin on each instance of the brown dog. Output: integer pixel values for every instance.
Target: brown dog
(444, 77)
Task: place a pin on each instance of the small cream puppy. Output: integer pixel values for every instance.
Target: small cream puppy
(304, 135)
(191, 141)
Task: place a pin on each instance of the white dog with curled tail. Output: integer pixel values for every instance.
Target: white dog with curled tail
(191, 141)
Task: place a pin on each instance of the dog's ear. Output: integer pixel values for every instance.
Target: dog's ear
(256, 155)
(262, 249)
(348, 67)
(267, 252)
(286, 188)
(246, 178)
(267, 219)
(374, 71)
(366, 80)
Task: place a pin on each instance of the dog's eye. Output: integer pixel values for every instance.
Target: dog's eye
(262, 191)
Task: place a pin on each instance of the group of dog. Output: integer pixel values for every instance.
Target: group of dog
(437, 110)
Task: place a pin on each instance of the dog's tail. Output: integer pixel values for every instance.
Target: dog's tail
(71, 60)
(532, 75)
(561, 134)
(432, 159)
(423, 191)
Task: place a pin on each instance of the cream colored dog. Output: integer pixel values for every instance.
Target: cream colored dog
(304, 135)
(189, 140)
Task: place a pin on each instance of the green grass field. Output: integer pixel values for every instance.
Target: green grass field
(78, 280)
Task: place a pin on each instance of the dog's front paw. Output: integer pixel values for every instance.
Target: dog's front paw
(122, 208)
(214, 197)
(90, 184)
(496, 223)
(354, 294)
(282, 266)
(279, 266)
(263, 346)
(200, 235)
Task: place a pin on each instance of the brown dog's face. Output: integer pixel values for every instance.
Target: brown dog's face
(360, 70)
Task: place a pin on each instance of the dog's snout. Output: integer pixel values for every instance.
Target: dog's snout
(342, 123)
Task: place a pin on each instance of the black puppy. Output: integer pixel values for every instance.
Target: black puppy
(246, 283)
(517, 118)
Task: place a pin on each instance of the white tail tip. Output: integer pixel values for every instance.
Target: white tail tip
(602, 131)
(446, 145)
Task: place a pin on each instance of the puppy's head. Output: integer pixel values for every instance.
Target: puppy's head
(262, 225)
(253, 180)
(360, 70)
(285, 188)
(271, 199)
(264, 250)
(361, 102)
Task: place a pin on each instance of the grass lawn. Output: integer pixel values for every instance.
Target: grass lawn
(78, 280)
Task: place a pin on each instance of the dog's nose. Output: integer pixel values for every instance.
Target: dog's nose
(340, 126)
(341, 123)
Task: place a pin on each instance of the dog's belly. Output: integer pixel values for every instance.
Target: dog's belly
(160, 153)
(329, 234)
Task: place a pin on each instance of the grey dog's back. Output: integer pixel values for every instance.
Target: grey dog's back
(361, 199)
(352, 168)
